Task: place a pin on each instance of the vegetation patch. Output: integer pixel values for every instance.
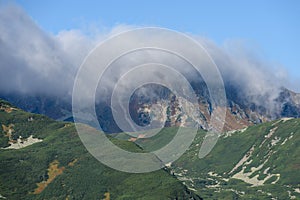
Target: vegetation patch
(53, 172)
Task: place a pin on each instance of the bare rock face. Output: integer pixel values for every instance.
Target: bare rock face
(240, 112)
(289, 103)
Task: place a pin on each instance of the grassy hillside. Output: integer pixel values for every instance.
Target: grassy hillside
(260, 162)
(57, 166)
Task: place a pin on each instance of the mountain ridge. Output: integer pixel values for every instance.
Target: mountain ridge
(241, 112)
(59, 167)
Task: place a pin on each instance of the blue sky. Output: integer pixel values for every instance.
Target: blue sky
(273, 26)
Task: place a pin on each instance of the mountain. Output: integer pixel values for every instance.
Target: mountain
(160, 104)
(44, 159)
(258, 162)
(54, 107)
(290, 103)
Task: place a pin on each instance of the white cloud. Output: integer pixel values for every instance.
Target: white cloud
(34, 61)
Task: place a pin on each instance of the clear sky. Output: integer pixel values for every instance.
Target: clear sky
(274, 26)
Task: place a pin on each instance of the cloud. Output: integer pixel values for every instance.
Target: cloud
(31, 60)
(258, 80)
(34, 61)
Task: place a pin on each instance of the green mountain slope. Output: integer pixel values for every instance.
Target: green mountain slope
(260, 162)
(53, 164)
